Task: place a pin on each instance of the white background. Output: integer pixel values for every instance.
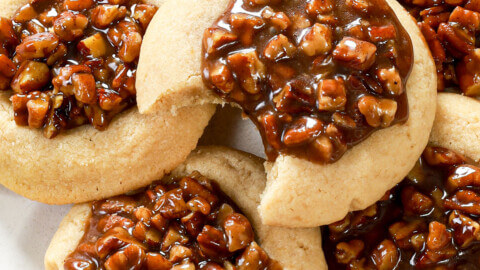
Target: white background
(26, 227)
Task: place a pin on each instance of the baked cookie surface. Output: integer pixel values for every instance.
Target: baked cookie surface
(84, 164)
(357, 180)
(242, 178)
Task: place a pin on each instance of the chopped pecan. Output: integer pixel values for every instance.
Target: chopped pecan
(25, 14)
(30, 76)
(172, 205)
(385, 256)
(216, 38)
(354, 53)
(77, 5)
(331, 94)
(173, 236)
(316, 7)
(37, 111)
(103, 15)
(245, 25)
(130, 258)
(70, 26)
(212, 242)
(464, 200)
(317, 40)
(84, 88)
(463, 176)
(466, 18)
(155, 261)
(438, 236)
(465, 229)
(144, 13)
(279, 48)
(113, 240)
(178, 253)
(303, 130)
(382, 33)
(94, 45)
(37, 46)
(254, 257)
(442, 156)
(377, 112)
(238, 230)
(415, 202)
(345, 252)
(248, 69)
(391, 80)
(222, 78)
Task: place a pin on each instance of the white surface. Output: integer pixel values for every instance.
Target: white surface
(26, 227)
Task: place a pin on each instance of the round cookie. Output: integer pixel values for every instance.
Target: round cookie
(242, 178)
(84, 164)
(456, 127)
(457, 124)
(294, 185)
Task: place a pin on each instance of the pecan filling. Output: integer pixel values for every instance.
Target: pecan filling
(316, 77)
(185, 224)
(428, 221)
(69, 63)
(451, 29)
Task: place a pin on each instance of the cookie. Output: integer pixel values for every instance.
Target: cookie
(84, 164)
(241, 177)
(294, 185)
(457, 124)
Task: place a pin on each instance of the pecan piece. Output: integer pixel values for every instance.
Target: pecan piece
(222, 77)
(216, 38)
(25, 14)
(377, 112)
(155, 261)
(303, 130)
(77, 5)
(316, 7)
(94, 45)
(464, 200)
(179, 252)
(391, 80)
(37, 111)
(278, 48)
(415, 202)
(254, 257)
(385, 256)
(70, 26)
(465, 229)
(346, 252)
(84, 88)
(130, 258)
(30, 76)
(249, 70)
(171, 204)
(442, 156)
(244, 26)
(238, 230)
(37, 46)
(317, 40)
(212, 242)
(382, 33)
(355, 53)
(463, 176)
(332, 95)
(144, 13)
(103, 15)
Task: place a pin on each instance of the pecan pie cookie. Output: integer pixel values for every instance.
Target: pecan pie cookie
(318, 79)
(203, 216)
(451, 31)
(428, 221)
(68, 76)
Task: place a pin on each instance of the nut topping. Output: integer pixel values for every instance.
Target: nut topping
(71, 62)
(156, 229)
(328, 61)
(428, 222)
